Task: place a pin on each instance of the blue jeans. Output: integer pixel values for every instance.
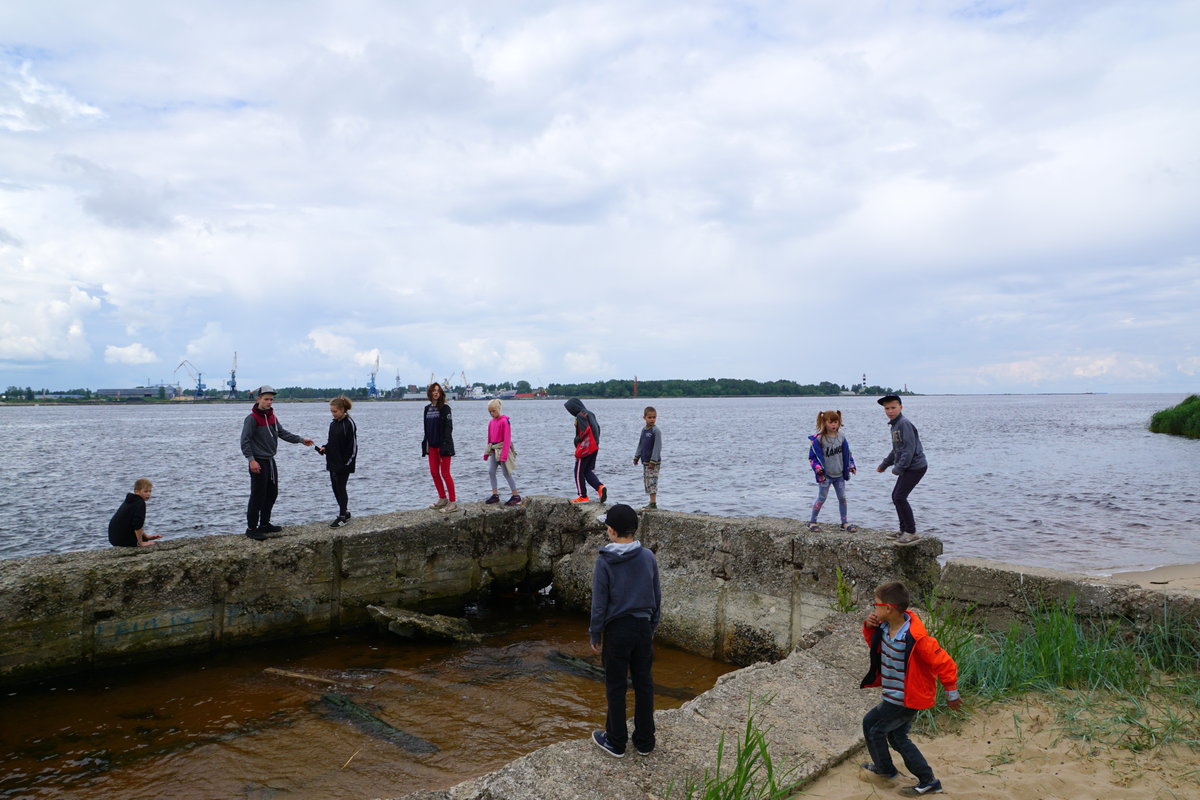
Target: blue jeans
(888, 724)
(839, 486)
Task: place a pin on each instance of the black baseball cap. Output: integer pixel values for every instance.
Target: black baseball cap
(621, 518)
(889, 398)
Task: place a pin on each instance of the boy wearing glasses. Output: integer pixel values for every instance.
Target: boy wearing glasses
(905, 661)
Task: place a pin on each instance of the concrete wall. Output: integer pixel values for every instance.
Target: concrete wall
(73, 612)
(735, 589)
(750, 589)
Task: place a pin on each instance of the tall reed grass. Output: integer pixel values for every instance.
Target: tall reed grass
(1181, 420)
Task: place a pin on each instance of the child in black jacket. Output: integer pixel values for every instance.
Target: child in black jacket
(341, 454)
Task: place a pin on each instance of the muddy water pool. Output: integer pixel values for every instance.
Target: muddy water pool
(237, 725)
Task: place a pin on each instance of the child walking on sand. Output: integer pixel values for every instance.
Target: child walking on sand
(905, 661)
(829, 456)
(500, 453)
(648, 451)
(341, 454)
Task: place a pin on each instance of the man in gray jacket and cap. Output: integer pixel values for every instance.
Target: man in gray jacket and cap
(261, 433)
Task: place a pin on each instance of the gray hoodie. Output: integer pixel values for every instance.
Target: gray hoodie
(261, 434)
(624, 584)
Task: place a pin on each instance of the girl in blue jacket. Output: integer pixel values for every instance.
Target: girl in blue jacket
(829, 456)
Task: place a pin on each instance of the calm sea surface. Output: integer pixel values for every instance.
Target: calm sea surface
(1072, 482)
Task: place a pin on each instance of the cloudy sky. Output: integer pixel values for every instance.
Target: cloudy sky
(957, 196)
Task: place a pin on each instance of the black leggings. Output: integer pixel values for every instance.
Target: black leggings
(338, 481)
(264, 488)
(907, 481)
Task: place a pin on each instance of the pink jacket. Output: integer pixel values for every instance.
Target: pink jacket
(500, 431)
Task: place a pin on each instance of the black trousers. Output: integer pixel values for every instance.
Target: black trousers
(907, 481)
(264, 488)
(338, 481)
(888, 724)
(628, 652)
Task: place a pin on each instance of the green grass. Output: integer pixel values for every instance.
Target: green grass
(1129, 686)
(845, 593)
(753, 774)
(1182, 420)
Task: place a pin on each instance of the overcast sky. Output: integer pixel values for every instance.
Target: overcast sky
(957, 196)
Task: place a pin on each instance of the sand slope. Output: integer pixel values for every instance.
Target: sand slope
(1015, 751)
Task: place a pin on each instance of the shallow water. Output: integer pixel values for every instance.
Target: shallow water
(222, 727)
(1066, 481)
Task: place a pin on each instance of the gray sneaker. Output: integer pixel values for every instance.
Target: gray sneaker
(908, 538)
(448, 507)
(441, 503)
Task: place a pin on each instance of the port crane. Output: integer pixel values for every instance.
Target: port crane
(195, 375)
(232, 382)
(372, 389)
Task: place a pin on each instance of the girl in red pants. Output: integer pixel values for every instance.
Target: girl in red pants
(438, 446)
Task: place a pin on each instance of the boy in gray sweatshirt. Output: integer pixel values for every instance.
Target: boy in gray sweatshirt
(908, 464)
(626, 605)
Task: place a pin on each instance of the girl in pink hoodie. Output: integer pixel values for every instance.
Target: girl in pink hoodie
(500, 452)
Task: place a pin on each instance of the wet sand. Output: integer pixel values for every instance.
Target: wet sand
(1178, 577)
(1015, 751)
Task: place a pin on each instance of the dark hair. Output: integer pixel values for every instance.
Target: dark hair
(893, 593)
(649, 410)
(341, 402)
(441, 401)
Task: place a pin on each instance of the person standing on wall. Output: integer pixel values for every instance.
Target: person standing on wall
(438, 446)
(261, 433)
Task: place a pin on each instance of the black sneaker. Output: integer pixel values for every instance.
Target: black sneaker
(515, 500)
(932, 787)
(494, 498)
(600, 739)
(269, 528)
(871, 768)
(642, 752)
(339, 522)
(603, 493)
(254, 534)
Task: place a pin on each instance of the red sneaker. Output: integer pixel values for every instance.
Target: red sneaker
(583, 498)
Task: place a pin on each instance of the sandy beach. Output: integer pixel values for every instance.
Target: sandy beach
(1179, 577)
(1016, 751)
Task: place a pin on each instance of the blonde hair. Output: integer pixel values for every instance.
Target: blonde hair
(142, 483)
(824, 418)
(495, 403)
(341, 402)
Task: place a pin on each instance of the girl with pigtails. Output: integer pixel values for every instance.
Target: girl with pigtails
(829, 456)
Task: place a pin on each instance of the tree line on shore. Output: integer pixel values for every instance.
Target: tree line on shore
(616, 387)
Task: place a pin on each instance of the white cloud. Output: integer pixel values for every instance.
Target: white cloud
(29, 105)
(587, 361)
(42, 321)
(135, 353)
(521, 359)
(1032, 372)
(1189, 366)
(342, 348)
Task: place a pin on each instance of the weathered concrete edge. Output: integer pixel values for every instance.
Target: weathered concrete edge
(816, 692)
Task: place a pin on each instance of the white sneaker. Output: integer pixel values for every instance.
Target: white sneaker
(441, 503)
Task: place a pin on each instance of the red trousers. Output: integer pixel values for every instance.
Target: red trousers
(439, 468)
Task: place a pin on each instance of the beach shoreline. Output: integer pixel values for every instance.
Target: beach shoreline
(1175, 577)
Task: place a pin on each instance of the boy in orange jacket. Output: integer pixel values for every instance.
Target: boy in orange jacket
(905, 661)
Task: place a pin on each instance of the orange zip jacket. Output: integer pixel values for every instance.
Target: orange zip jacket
(924, 660)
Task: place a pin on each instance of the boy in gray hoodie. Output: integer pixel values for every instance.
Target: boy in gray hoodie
(626, 606)
(908, 463)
